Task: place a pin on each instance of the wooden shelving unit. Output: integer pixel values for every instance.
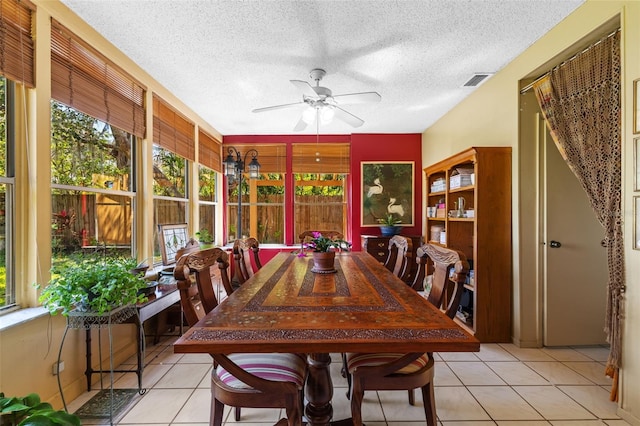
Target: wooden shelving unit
(485, 238)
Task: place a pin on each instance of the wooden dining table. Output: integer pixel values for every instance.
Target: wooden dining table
(361, 307)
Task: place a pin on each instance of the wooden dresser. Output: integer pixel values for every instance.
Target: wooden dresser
(378, 247)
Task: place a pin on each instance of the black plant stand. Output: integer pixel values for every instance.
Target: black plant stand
(89, 321)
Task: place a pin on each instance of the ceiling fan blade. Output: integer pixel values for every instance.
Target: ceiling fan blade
(347, 117)
(358, 98)
(305, 88)
(271, 108)
(301, 125)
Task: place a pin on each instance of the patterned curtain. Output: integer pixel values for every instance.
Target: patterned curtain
(580, 101)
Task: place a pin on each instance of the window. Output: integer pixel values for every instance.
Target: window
(320, 174)
(92, 185)
(262, 199)
(169, 192)
(96, 112)
(320, 202)
(174, 141)
(262, 208)
(16, 66)
(210, 164)
(7, 182)
(207, 205)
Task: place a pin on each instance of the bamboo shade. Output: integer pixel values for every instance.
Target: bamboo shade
(209, 151)
(16, 43)
(172, 131)
(272, 157)
(86, 80)
(321, 158)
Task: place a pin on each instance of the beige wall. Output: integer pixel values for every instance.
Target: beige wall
(490, 116)
(29, 349)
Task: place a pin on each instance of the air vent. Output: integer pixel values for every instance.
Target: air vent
(476, 79)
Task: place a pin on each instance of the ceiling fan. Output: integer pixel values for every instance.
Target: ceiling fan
(322, 105)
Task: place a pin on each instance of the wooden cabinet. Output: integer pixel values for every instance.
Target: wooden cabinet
(469, 209)
(378, 247)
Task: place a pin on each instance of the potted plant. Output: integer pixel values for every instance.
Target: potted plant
(324, 251)
(204, 238)
(30, 411)
(389, 225)
(93, 284)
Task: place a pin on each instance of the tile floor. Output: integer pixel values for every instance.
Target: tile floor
(500, 385)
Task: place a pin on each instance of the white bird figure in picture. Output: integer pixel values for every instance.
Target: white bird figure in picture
(395, 208)
(375, 189)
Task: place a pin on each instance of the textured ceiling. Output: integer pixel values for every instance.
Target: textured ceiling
(224, 58)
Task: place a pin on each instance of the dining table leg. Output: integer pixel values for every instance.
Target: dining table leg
(319, 390)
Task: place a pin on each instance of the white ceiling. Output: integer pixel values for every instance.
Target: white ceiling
(224, 58)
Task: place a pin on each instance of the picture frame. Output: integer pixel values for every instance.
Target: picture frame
(173, 237)
(636, 106)
(387, 188)
(636, 222)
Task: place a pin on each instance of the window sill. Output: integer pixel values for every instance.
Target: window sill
(21, 316)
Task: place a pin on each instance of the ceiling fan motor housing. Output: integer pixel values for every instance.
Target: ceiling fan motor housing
(322, 92)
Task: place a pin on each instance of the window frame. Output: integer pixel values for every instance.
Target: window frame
(9, 180)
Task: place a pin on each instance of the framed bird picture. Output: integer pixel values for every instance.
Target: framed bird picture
(387, 189)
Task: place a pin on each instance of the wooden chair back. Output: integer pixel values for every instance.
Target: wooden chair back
(204, 266)
(307, 235)
(424, 268)
(400, 251)
(191, 246)
(242, 258)
(450, 269)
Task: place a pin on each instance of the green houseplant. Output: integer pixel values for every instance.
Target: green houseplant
(323, 251)
(93, 284)
(30, 411)
(389, 225)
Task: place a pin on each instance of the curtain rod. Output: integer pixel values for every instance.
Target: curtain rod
(530, 85)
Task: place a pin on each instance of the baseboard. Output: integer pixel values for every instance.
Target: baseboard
(628, 417)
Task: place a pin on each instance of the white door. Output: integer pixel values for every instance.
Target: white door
(574, 261)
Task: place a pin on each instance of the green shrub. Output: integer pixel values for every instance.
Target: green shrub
(30, 411)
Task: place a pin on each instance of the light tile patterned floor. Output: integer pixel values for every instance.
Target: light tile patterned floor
(500, 385)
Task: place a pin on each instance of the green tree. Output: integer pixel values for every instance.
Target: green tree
(83, 147)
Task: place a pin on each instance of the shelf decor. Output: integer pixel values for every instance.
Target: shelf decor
(387, 188)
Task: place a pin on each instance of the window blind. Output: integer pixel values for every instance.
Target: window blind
(172, 131)
(86, 80)
(16, 43)
(209, 151)
(272, 157)
(321, 158)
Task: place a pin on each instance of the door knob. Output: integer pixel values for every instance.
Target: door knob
(555, 244)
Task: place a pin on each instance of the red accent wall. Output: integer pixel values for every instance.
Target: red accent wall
(364, 147)
(384, 148)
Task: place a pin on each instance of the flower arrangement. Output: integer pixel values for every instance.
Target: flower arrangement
(321, 244)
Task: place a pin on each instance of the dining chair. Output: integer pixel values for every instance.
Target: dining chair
(242, 259)
(398, 371)
(400, 253)
(256, 380)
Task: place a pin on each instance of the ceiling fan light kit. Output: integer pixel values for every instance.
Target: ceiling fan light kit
(322, 105)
